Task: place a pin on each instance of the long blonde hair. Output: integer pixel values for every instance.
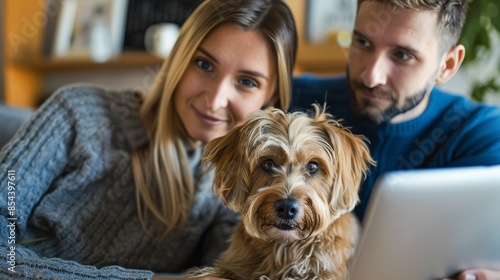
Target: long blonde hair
(164, 184)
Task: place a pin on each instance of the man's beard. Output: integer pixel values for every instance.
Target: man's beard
(384, 115)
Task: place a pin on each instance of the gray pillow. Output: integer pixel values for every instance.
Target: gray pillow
(11, 118)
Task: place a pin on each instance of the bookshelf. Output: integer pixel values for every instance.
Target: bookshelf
(24, 65)
(124, 60)
(25, 68)
(19, 84)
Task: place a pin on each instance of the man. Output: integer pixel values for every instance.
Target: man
(401, 49)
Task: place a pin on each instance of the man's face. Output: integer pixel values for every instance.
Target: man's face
(393, 62)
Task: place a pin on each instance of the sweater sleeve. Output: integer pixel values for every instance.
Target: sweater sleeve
(29, 165)
(217, 238)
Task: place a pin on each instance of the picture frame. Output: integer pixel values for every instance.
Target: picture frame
(325, 17)
(79, 18)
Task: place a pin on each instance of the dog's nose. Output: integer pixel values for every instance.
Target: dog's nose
(286, 208)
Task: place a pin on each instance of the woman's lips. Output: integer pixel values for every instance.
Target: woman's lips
(207, 119)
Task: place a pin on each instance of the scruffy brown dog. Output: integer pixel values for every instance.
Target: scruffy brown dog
(294, 178)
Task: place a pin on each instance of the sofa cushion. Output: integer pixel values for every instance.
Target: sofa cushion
(11, 118)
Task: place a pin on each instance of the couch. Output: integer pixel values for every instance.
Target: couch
(11, 118)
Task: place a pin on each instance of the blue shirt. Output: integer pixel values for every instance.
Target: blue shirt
(453, 131)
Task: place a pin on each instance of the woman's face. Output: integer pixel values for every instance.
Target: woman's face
(231, 74)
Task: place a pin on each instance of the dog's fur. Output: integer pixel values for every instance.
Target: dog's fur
(310, 160)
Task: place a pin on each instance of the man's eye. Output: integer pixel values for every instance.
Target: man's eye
(403, 56)
(360, 42)
(269, 165)
(205, 65)
(247, 83)
(312, 167)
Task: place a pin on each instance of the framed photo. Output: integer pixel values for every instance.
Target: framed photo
(324, 17)
(84, 23)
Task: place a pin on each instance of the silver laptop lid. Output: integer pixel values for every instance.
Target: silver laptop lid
(428, 224)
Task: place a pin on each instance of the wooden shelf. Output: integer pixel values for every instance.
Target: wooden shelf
(25, 70)
(47, 64)
(325, 58)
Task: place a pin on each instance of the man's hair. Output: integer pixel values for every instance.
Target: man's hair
(451, 16)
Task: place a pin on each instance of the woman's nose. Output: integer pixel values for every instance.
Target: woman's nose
(217, 96)
(375, 72)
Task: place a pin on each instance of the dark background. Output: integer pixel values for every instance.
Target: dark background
(143, 13)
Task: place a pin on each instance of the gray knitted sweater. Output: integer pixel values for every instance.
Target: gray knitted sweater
(71, 206)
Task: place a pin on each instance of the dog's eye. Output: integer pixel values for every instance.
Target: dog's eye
(268, 165)
(312, 168)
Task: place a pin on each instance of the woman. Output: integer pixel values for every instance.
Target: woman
(107, 185)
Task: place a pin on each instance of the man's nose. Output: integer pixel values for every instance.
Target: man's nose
(217, 96)
(376, 71)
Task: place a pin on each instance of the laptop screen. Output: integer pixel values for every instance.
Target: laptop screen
(429, 224)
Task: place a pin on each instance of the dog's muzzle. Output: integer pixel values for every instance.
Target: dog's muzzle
(286, 210)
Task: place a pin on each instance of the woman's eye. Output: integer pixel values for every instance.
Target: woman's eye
(205, 65)
(312, 167)
(269, 165)
(247, 83)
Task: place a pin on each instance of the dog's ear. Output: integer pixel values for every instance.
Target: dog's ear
(351, 162)
(227, 155)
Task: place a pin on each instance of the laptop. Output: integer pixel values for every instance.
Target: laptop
(430, 224)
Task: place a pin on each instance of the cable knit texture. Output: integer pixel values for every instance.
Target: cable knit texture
(75, 206)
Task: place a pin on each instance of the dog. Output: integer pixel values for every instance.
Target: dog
(294, 177)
